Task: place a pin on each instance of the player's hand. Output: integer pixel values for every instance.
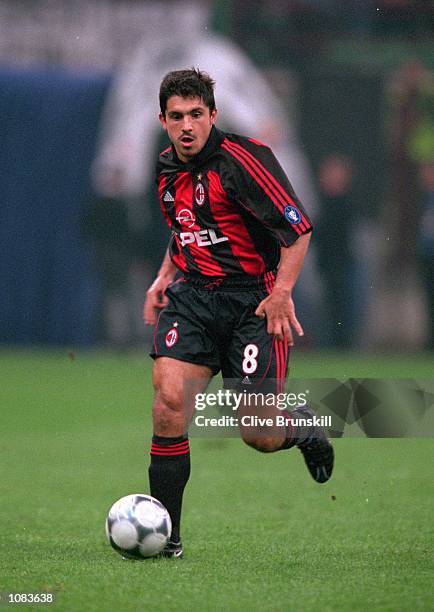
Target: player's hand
(156, 299)
(278, 308)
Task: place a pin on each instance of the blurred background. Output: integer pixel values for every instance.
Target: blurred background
(343, 91)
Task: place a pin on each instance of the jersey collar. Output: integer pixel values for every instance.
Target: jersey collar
(214, 141)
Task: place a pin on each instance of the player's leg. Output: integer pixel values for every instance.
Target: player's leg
(185, 359)
(264, 361)
(256, 363)
(257, 415)
(260, 362)
(175, 384)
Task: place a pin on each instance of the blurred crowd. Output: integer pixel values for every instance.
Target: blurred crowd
(368, 281)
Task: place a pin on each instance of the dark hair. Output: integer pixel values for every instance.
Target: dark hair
(190, 83)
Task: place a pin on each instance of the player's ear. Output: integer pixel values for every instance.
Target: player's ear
(162, 119)
(213, 116)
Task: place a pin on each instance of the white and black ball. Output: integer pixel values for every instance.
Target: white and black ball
(138, 526)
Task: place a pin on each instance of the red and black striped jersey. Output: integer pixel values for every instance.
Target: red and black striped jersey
(230, 208)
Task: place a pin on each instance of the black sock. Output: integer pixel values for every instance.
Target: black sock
(168, 474)
(295, 434)
(302, 432)
(291, 438)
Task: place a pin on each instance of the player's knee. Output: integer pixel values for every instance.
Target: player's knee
(263, 444)
(168, 415)
(167, 392)
(168, 400)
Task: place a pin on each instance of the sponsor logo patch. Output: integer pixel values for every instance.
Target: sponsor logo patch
(186, 217)
(202, 238)
(292, 214)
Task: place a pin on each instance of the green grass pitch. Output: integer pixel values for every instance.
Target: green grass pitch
(259, 533)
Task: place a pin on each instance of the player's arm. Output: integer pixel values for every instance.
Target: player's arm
(278, 307)
(254, 178)
(259, 184)
(156, 298)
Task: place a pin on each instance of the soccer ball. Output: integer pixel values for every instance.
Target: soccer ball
(138, 526)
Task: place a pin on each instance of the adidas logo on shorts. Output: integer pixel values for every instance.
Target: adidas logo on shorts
(168, 197)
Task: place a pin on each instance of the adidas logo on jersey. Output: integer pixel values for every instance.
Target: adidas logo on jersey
(246, 381)
(168, 197)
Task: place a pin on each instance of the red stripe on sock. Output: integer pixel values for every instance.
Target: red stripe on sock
(183, 443)
(170, 448)
(171, 453)
(180, 448)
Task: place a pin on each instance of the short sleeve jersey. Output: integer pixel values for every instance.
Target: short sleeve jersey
(230, 208)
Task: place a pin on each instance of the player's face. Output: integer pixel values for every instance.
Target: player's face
(188, 122)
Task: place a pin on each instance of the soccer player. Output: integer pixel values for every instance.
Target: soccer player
(223, 293)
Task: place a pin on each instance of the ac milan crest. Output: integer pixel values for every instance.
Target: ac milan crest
(171, 337)
(199, 194)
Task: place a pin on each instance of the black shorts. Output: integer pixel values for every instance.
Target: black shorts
(214, 324)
